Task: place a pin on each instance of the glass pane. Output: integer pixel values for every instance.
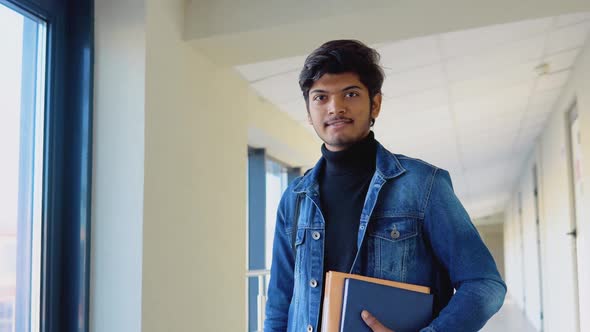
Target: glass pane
(276, 183)
(22, 64)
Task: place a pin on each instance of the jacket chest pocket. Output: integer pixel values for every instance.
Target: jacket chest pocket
(391, 243)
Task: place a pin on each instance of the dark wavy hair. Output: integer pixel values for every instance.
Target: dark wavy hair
(343, 56)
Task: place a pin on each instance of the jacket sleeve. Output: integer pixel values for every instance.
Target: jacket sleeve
(280, 288)
(456, 243)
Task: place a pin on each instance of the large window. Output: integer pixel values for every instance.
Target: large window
(22, 64)
(45, 130)
(267, 181)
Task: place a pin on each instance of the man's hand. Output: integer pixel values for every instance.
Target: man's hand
(373, 323)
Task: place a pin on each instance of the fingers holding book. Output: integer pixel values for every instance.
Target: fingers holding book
(373, 323)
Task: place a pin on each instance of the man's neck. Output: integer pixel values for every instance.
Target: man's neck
(360, 156)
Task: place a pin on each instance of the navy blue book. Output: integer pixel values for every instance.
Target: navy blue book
(398, 309)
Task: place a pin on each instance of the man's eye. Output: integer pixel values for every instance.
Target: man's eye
(319, 97)
(352, 94)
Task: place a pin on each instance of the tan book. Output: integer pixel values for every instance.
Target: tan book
(333, 292)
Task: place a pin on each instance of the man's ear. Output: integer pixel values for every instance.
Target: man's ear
(309, 118)
(376, 105)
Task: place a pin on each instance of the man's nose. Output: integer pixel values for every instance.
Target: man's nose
(336, 106)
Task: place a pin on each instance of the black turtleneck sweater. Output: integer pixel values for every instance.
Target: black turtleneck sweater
(344, 182)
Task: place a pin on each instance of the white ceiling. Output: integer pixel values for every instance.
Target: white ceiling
(469, 101)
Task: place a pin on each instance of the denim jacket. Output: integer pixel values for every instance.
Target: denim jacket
(412, 229)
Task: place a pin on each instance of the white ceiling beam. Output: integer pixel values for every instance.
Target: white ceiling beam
(239, 32)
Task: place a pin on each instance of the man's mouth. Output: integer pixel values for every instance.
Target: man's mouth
(338, 122)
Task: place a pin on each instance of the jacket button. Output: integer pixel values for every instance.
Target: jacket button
(313, 283)
(394, 234)
(309, 328)
(315, 235)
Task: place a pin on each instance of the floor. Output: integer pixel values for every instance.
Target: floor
(509, 318)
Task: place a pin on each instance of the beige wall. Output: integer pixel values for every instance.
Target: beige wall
(194, 207)
(558, 265)
(169, 210)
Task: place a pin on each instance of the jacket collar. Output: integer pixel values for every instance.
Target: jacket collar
(387, 167)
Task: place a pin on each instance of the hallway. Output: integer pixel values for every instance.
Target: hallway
(510, 318)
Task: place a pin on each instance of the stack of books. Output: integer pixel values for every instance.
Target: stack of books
(398, 306)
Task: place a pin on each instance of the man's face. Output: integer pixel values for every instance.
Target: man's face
(340, 110)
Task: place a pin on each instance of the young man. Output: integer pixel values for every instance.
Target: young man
(365, 210)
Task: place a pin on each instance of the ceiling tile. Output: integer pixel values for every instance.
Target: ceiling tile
(438, 148)
(512, 99)
(552, 81)
(562, 60)
(279, 89)
(487, 145)
(420, 101)
(440, 151)
(545, 97)
(509, 76)
(539, 110)
(495, 175)
(414, 81)
(446, 157)
(409, 54)
(526, 140)
(497, 59)
(484, 155)
(415, 124)
(570, 19)
(498, 134)
(468, 116)
(567, 38)
(489, 125)
(471, 41)
(533, 123)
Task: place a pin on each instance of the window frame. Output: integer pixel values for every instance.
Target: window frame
(67, 160)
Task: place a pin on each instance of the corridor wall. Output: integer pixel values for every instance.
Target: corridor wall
(565, 275)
